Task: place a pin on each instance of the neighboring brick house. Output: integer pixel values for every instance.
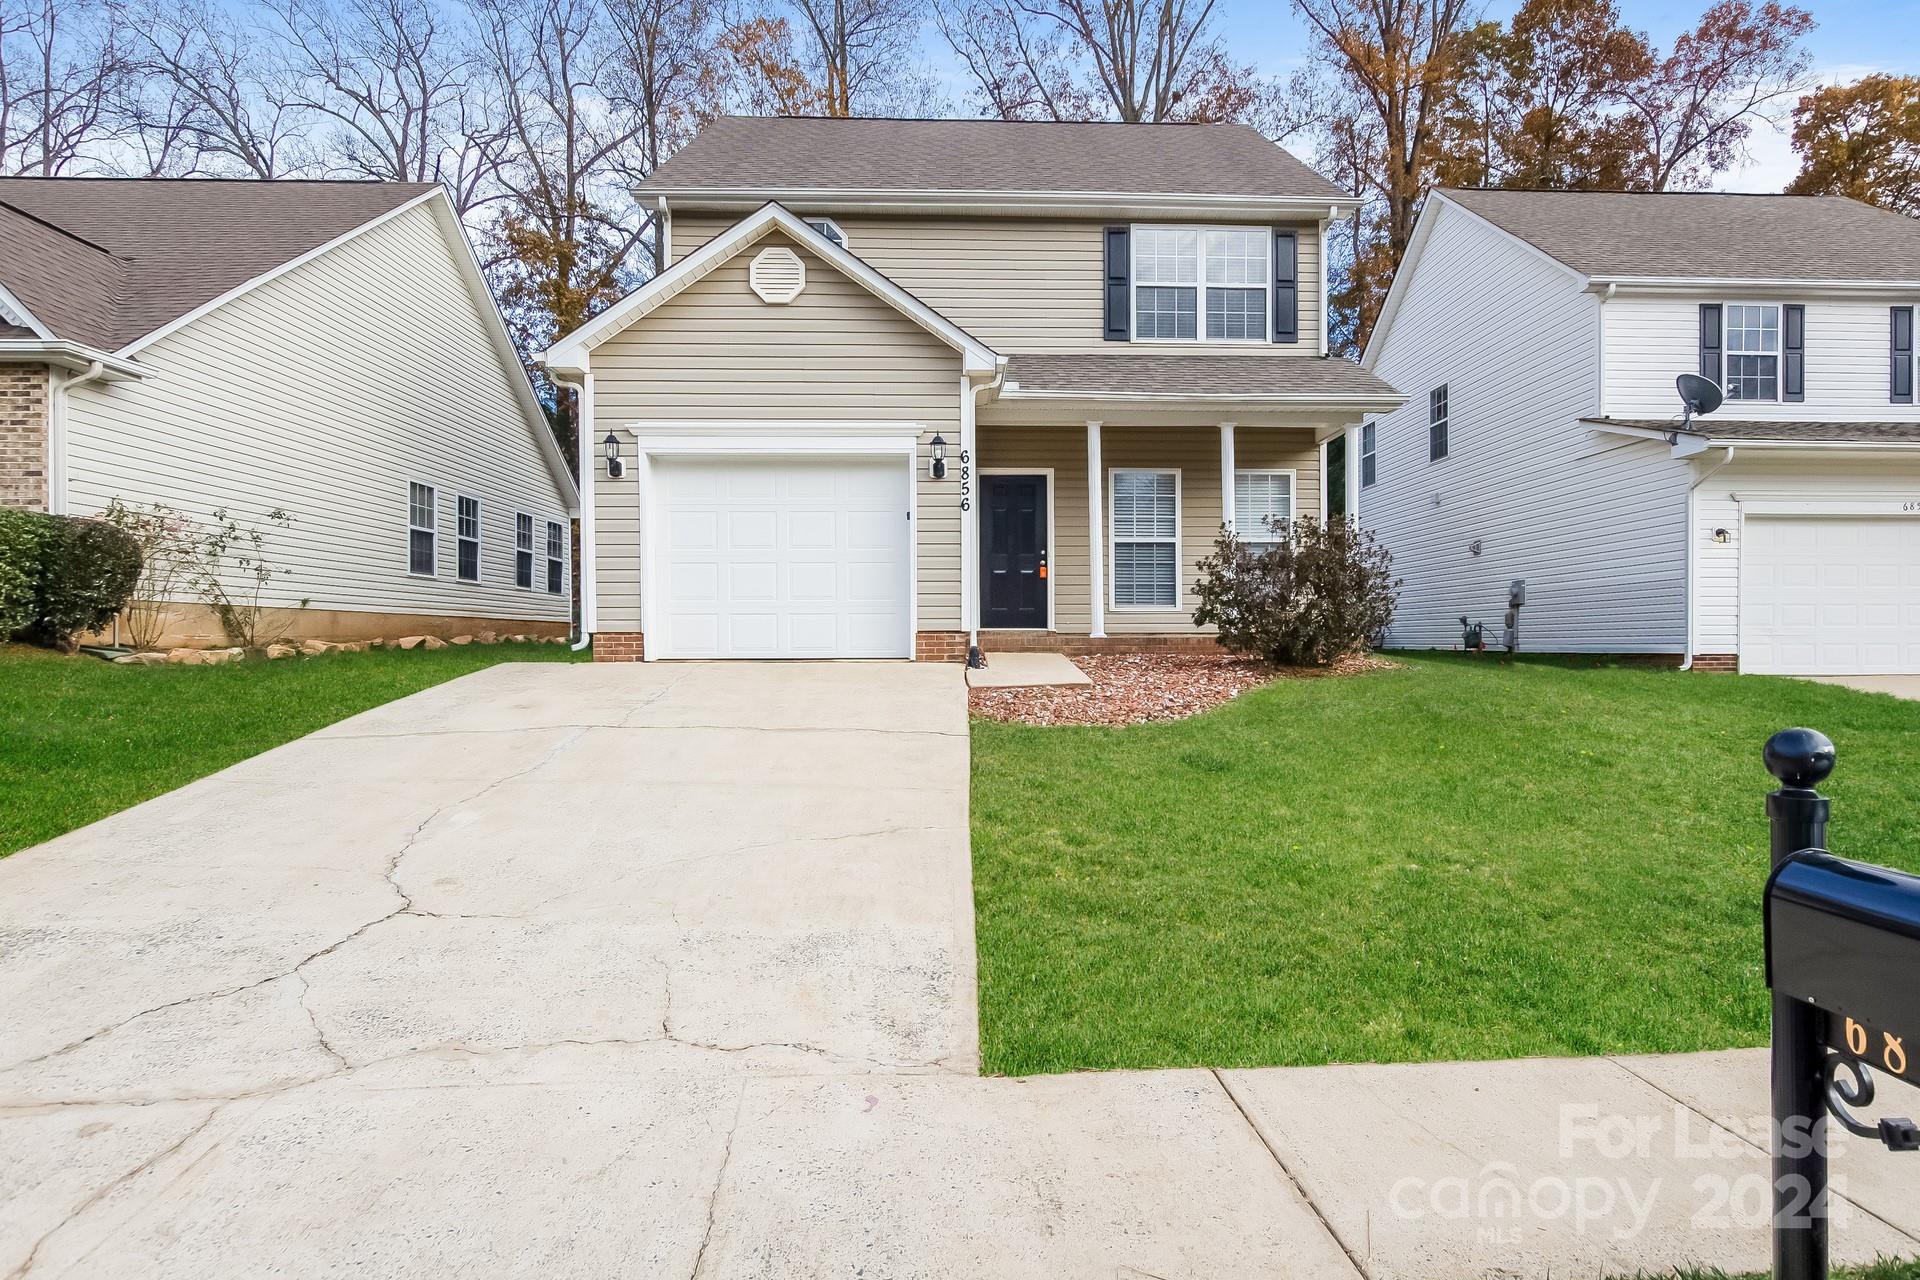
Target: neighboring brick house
(325, 348)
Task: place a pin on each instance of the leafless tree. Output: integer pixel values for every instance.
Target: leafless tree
(395, 83)
(858, 50)
(214, 94)
(62, 68)
(1145, 61)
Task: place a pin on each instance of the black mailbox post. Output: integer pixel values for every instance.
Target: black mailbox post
(1843, 960)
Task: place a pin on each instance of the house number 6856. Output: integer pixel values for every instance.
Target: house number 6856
(966, 481)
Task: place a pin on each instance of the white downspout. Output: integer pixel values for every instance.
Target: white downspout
(57, 388)
(1693, 537)
(1353, 473)
(1227, 479)
(1096, 537)
(587, 472)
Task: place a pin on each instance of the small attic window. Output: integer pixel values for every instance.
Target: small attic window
(830, 229)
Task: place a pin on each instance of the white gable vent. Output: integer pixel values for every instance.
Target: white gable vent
(777, 275)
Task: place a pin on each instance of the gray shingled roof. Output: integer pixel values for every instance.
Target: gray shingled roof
(792, 153)
(1264, 371)
(1752, 429)
(103, 261)
(1707, 236)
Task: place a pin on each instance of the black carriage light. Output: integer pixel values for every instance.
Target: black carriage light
(938, 467)
(611, 446)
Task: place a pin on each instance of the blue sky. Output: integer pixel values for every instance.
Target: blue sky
(1852, 40)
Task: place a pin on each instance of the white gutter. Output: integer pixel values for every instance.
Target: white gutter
(1693, 536)
(1595, 283)
(1057, 203)
(585, 451)
(1364, 403)
(68, 355)
(57, 389)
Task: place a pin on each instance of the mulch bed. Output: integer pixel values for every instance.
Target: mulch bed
(1136, 688)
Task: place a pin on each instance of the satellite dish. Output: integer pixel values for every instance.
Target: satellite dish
(1697, 395)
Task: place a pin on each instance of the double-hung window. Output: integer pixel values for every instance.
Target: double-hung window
(1262, 506)
(422, 548)
(1202, 283)
(523, 551)
(1369, 460)
(467, 534)
(1753, 351)
(1437, 423)
(1145, 525)
(556, 558)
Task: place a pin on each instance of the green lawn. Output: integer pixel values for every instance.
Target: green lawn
(1457, 860)
(81, 738)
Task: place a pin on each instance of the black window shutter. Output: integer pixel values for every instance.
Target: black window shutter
(1900, 356)
(1793, 350)
(1119, 275)
(1286, 286)
(1710, 344)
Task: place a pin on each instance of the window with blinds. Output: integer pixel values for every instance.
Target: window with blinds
(1145, 527)
(467, 533)
(1261, 498)
(523, 551)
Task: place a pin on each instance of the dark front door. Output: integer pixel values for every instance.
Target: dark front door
(1013, 551)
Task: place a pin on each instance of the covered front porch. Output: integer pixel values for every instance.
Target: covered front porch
(1096, 485)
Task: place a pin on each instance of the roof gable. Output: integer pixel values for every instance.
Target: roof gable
(571, 353)
(109, 261)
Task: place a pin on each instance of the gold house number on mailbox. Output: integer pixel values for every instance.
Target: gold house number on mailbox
(1893, 1050)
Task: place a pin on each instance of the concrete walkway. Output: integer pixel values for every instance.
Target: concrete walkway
(1907, 687)
(668, 971)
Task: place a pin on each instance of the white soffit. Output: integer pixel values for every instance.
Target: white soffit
(777, 275)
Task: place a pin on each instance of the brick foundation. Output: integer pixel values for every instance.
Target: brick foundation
(619, 646)
(23, 436)
(1723, 663)
(1056, 642)
(940, 646)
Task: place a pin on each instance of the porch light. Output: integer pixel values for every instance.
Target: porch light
(611, 447)
(938, 467)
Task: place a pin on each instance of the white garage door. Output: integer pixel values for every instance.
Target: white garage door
(1830, 596)
(781, 558)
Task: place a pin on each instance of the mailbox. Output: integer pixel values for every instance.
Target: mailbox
(1844, 937)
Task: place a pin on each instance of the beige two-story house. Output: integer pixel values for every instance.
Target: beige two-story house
(907, 387)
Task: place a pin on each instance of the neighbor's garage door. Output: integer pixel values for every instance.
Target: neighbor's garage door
(781, 558)
(1830, 596)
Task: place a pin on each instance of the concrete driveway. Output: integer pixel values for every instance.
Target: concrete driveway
(1907, 687)
(659, 970)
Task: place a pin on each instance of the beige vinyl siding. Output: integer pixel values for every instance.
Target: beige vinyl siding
(325, 392)
(1194, 451)
(1032, 284)
(835, 354)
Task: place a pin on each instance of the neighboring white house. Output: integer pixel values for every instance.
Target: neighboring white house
(1539, 335)
(326, 348)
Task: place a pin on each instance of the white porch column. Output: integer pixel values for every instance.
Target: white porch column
(969, 468)
(1353, 473)
(1096, 534)
(1226, 475)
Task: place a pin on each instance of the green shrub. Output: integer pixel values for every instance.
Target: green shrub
(62, 575)
(22, 533)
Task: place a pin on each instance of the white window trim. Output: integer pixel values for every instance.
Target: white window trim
(1368, 429)
(818, 223)
(1727, 352)
(549, 559)
(1293, 495)
(533, 552)
(433, 507)
(1199, 286)
(478, 539)
(1445, 420)
(1179, 514)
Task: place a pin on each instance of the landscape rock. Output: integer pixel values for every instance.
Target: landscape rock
(488, 637)
(461, 640)
(314, 647)
(148, 658)
(353, 646)
(433, 642)
(212, 657)
(281, 651)
(411, 642)
(186, 657)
